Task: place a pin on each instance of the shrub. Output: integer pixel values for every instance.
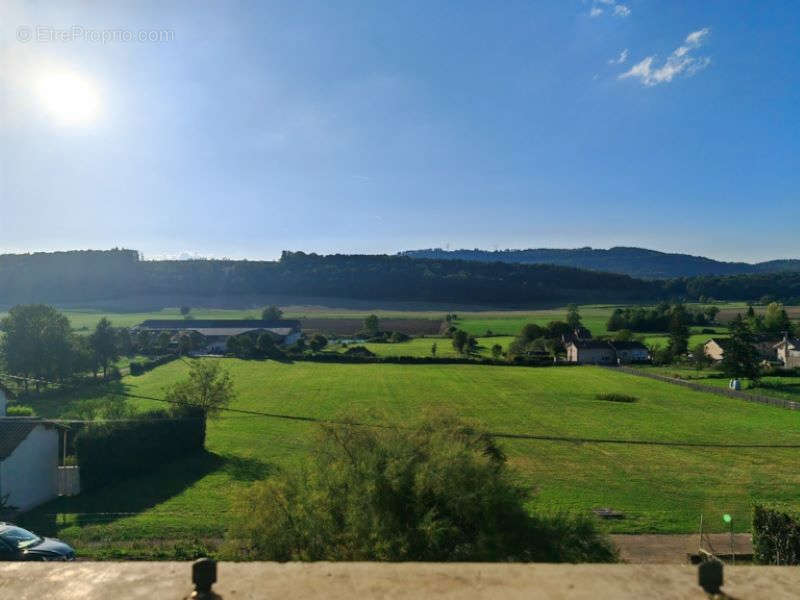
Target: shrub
(358, 351)
(616, 397)
(109, 452)
(439, 492)
(20, 410)
(398, 337)
(776, 536)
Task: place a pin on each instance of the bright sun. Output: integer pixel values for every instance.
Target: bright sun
(68, 97)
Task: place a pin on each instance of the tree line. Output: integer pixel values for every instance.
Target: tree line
(38, 343)
(121, 274)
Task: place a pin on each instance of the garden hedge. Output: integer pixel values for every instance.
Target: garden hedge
(109, 452)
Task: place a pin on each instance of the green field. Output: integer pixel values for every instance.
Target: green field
(422, 346)
(659, 488)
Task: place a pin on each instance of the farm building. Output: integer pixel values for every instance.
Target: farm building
(601, 352)
(766, 346)
(788, 352)
(217, 331)
(29, 472)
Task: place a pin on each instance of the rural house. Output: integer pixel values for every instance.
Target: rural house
(28, 461)
(217, 331)
(788, 352)
(603, 352)
(766, 346)
(631, 352)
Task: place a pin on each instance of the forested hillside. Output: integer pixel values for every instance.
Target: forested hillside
(636, 262)
(89, 276)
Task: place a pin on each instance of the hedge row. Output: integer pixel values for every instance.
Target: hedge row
(137, 368)
(776, 536)
(109, 452)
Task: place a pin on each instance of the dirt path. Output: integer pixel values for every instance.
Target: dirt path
(675, 549)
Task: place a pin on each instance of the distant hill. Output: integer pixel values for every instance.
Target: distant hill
(120, 275)
(636, 262)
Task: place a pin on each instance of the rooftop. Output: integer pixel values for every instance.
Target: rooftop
(13, 430)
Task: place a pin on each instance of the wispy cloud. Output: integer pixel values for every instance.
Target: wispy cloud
(615, 8)
(620, 10)
(623, 56)
(681, 61)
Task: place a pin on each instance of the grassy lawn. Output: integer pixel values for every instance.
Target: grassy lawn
(659, 488)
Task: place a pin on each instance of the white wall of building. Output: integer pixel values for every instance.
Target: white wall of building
(30, 474)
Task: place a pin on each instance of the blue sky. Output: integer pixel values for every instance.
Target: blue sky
(253, 127)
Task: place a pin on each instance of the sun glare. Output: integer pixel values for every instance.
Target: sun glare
(68, 97)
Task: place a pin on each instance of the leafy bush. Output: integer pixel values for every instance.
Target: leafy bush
(616, 397)
(439, 492)
(776, 536)
(20, 410)
(109, 452)
(358, 351)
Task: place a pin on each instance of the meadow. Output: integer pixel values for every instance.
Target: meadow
(660, 488)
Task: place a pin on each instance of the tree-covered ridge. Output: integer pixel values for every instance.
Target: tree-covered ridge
(86, 276)
(72, 277)
(636, 262)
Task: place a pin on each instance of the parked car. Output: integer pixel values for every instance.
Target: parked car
(17, 543)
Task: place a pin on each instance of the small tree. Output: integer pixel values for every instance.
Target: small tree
(700, 359)
(317, 342)
(740, 357)
(497, 351)
(271, 313)
(573, 316)
(209, 388)
(104, 344)
(434, 347)
(678, 331)
(460, 340)
(185, 310)
(776, 319)
(372, 325)
(265, 344)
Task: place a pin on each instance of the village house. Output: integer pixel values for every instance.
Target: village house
(766, 346)
(603, 352)
(788, 352)
(216, 332)
(28, 461)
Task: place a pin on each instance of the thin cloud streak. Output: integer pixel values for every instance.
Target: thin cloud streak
(679, 62)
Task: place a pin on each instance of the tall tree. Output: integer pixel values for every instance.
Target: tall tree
(103, 342)
(678, 330)
(776, 319)
(37, 343)
(209, 388)
(372, 325)
(573, 316)
(740, 358)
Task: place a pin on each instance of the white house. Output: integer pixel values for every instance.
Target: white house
(28, 461)
(788, 351)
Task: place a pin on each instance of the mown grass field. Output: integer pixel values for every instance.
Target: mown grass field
(422, 346)
(660, 489)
